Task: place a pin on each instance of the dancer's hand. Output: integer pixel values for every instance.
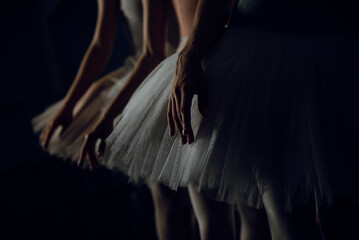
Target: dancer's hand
(62, 118)
(100, 132)
(188, 80)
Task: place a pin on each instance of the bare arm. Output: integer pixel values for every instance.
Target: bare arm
(97, 54)
(153, 53)
(95, 59)
(210, 20)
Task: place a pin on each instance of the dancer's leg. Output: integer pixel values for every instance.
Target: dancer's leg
(168, 213)
(297, 224)
(215, 219)
(254, 223)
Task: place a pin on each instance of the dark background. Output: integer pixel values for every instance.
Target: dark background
(42, 43)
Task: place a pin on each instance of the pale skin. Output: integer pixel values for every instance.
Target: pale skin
(167, 211)
(208, 212)
(187, 82)
(95, 59)
(97, 56)
(154, 26)
(85, 87)
(215, 218)
(211, 17)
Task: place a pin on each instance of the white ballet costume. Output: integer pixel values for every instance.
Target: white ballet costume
(281, 109)
(89, 108)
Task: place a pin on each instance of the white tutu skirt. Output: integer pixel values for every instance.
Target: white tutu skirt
(86, 114)
(282, 115)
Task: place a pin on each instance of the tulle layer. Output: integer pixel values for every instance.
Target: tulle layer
(86, 114)
(282, 115)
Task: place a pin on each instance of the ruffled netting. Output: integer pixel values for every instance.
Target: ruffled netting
(86, 114)
(282, 115)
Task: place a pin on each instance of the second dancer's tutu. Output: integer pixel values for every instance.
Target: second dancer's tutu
(98, 97)
(89, 108)
(281, 108)
(86, 114)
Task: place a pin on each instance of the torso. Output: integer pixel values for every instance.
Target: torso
(131, 10)
(302, 16)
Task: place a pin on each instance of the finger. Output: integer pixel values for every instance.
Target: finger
(48, 134)
(83, 151)
(91, 154)
(170, 122)
(101, 148)
(176, 111)
(177, 122)
(44, 134)
(177, 105)
(186, 117)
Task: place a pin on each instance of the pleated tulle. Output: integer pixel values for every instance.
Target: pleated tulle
(86, 113)
(282, 114)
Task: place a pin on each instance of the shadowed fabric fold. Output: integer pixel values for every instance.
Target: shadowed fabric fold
(281, 112)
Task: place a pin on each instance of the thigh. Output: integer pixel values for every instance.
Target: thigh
(215, 219)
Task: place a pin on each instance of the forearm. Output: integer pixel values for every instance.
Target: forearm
(210, 20)
(154, 22)
(97, 54)
(93, 63)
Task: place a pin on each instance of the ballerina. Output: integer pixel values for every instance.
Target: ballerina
(266, 106)
(87, 97)
(65, 124)
(280, 125)
(207, 211)
(281, 89)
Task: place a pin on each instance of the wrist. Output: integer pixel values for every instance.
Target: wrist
(191, 51)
